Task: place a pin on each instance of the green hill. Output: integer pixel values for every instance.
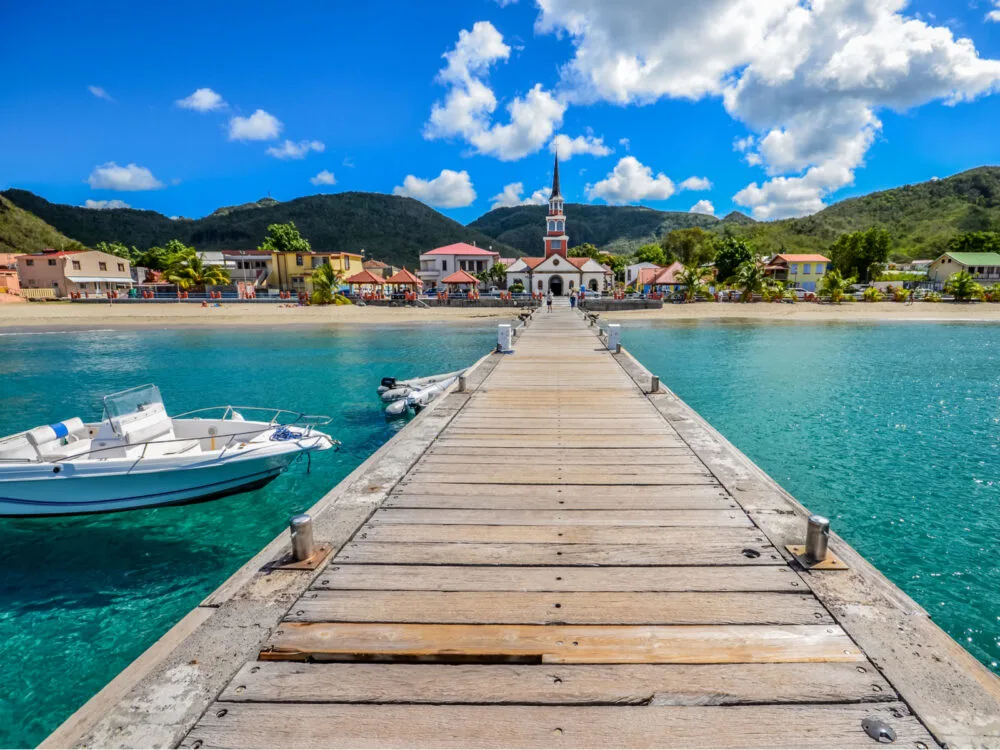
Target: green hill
(23, 232)
(920, 218)
(387, 227)
(617, 229)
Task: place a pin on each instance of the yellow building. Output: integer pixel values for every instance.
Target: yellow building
(799, 271)
(292, 272)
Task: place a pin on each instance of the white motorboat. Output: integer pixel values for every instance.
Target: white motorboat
(138, 456)
(418, 398)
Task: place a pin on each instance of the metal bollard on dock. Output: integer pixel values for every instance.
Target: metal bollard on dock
(614, 337)
(654, 383)
(817, 538)
(504, 338)
(463, 384)
(301, 528)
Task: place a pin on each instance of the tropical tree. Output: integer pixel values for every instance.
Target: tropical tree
(963, 287)
(776, 292)
(992, 294)
(862, 254)
(651, 254)
(872, 294)
(186, 269)
(517, 287)
(749, 279)
(693, 279)
(586, 250)
(119, 250)
(495, 274)
(285, 238)
(975, 242)
(835, 285)
(693, 245)
(732, 251)
(325, 282)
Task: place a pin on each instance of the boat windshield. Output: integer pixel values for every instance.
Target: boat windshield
(131, 401)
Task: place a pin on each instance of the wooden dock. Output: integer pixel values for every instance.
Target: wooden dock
(564, 560)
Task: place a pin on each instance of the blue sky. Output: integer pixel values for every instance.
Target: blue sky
(776, 107)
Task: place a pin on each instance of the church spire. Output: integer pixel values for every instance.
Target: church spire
(556, 241)
(555, 179)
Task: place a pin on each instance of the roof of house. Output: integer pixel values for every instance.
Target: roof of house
(404, 277)
(460, 248)
(507, 261)
(56, 253)
(365, 277)
(668, 275)
(532, 263)
(246, 253)
(975, 259)
(807, 258)
(375, 264)
(460, 277)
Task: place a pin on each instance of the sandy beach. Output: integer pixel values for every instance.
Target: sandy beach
(63, 315)
(60, 315)
(810, 312)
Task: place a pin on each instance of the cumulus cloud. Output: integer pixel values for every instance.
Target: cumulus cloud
(324, 178)
(511, 195)
(100, 93)
(202, 100)
(567, 147)
(808, 79)
(104, 205)
(696, 183)
(292, 150)
(625, 143)
(132, 177)
(631, 181)
(449, 189)
(467, 109)
(260, 126)
(994, 15)
(703, 207)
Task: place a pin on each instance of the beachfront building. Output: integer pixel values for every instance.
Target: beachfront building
(292, 272)
(632, 271)
(441, 262)
(9, 282)
(403, 281)
(365, 283)
(984, 267)
(803, 271)
(660, 280)
(556, 272)
(252, 267)
(460, 281)
(65, 273)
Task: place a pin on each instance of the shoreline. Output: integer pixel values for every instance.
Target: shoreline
(42, 317)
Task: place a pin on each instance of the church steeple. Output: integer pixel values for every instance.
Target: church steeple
(556, 241)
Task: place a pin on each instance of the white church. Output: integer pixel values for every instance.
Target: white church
(557, 272)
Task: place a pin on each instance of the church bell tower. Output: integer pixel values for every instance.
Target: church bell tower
(556, 240)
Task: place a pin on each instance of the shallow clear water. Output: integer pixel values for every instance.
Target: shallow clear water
(81, 597)
(890, 430)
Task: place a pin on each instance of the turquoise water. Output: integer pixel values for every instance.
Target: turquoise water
(81, 597)
(890, 430)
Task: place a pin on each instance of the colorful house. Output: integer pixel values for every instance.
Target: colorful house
(799, 271)
(292, 272)
(984, 267)
(70, 272)
(440, 262)
(9, 283)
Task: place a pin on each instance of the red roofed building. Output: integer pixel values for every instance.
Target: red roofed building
(365, 281)
(442, 261)
(461, 278)
(405, 279)
(556, 272)
(69, 272)
(803, 271)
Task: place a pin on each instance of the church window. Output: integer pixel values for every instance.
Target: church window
(444, 265)
(556, 244)
(539, 283)
(559, 226)
(555, 261)
(593, 285)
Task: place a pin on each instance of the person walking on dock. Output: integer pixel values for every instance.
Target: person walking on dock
(572, 299)
(548, 301)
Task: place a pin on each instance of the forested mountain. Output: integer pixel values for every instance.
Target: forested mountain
(23, 232)
(920, 218)
(387, 227)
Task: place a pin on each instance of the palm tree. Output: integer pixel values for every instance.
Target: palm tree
(325, 282)
(692, 278)
(749, 279)
(836, 285)
(963, 287)
(186, 269)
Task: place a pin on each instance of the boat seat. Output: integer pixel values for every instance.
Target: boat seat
(59, 439)
(70, 450)
(174, 447)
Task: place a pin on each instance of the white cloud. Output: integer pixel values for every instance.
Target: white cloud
(994, 15)
(808, 79)
(102, 205)
(100, 93)
(696, 183)
(292, 150)
(703, 207)
(260, 126)
(112, 177)
(469, 104)
(567, 147)
(626, 143)
(324, 178)
(511, 196)
(202, 100)
(448, 190)
(630, 182)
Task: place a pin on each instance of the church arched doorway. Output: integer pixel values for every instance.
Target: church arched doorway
(556, 286)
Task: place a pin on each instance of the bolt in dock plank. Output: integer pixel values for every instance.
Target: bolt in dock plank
(564, 560)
